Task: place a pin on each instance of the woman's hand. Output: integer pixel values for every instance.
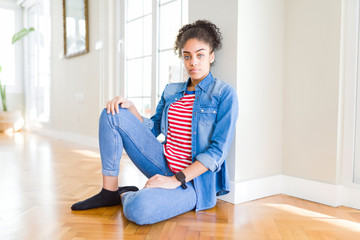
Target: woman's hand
(160, 181)
(113, 105)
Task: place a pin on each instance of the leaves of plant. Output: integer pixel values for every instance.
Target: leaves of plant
(22, 33)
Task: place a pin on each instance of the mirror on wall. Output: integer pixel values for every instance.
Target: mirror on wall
(76, 40)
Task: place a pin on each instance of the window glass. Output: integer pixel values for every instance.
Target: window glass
(143, 105)
(39, 61)
(140, 65)
(147, 77)
(170, 68)
(165, 1)
(134, 9)
(147, 6)
(146, 109)
(7, 50)
(170, 22)
(134, 38)
(134, 77)
(147, 35)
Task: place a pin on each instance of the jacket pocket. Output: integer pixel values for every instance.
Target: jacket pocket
(207, 115)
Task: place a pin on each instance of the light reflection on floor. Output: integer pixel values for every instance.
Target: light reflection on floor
(42, 177)
(328, 219)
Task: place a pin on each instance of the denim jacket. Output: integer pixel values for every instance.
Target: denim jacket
(214, 118)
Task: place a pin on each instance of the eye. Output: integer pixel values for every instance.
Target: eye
(186, 57)
(201, 55)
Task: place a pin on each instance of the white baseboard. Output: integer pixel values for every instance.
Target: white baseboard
(324, 193)
(66, 136)
(253, 189)
(351, 196)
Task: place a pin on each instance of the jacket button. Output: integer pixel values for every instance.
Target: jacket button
(202, 110)
(194, 132)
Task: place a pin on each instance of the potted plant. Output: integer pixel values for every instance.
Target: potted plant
(11, 120)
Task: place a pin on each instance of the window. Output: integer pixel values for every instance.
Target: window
(170, 67)
(10, 60)
(139, 54)
(38, 60)
(150, 62)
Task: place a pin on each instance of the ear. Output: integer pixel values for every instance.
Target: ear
(212, 57)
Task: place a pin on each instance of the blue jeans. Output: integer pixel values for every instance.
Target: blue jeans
(149, 205)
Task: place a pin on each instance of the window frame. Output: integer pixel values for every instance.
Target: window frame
(18, 83)
(155, 64)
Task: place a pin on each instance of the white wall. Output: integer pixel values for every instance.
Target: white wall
(259, 87)
(224, 17)
(311, 88)
(75, 78)
(252, 62)
(287, 79)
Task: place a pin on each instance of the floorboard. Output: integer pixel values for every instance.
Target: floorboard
(42, 177)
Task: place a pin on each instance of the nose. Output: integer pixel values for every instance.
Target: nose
(194, 62)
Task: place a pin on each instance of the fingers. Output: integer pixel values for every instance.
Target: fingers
(112, 106)
(116, 107)
(151, 181)
(109, 107)
(147, 185)
(126, 104)
(160, 181)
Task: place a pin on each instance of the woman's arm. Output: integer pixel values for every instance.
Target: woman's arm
(214, 156)
(191, 172)
(112, 106)
(223, 132)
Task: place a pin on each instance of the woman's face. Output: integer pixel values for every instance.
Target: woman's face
(197, 58)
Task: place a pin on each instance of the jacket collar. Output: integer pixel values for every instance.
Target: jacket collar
(204, 84)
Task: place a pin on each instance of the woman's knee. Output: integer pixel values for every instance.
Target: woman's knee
(104, 116)
(151, 205)
(141, 207)
(116, 119)
(137, 208)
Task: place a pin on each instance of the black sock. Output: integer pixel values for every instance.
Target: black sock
(105, 198)
(125, 189)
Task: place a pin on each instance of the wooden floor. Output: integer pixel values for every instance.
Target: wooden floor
(41, 178)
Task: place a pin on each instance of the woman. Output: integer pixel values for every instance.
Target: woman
(198, 117)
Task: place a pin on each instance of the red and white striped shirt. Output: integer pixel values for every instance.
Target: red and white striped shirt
(178, 146)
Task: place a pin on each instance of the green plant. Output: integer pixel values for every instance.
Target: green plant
(3, 95)
(16, 37)
(20, 34)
